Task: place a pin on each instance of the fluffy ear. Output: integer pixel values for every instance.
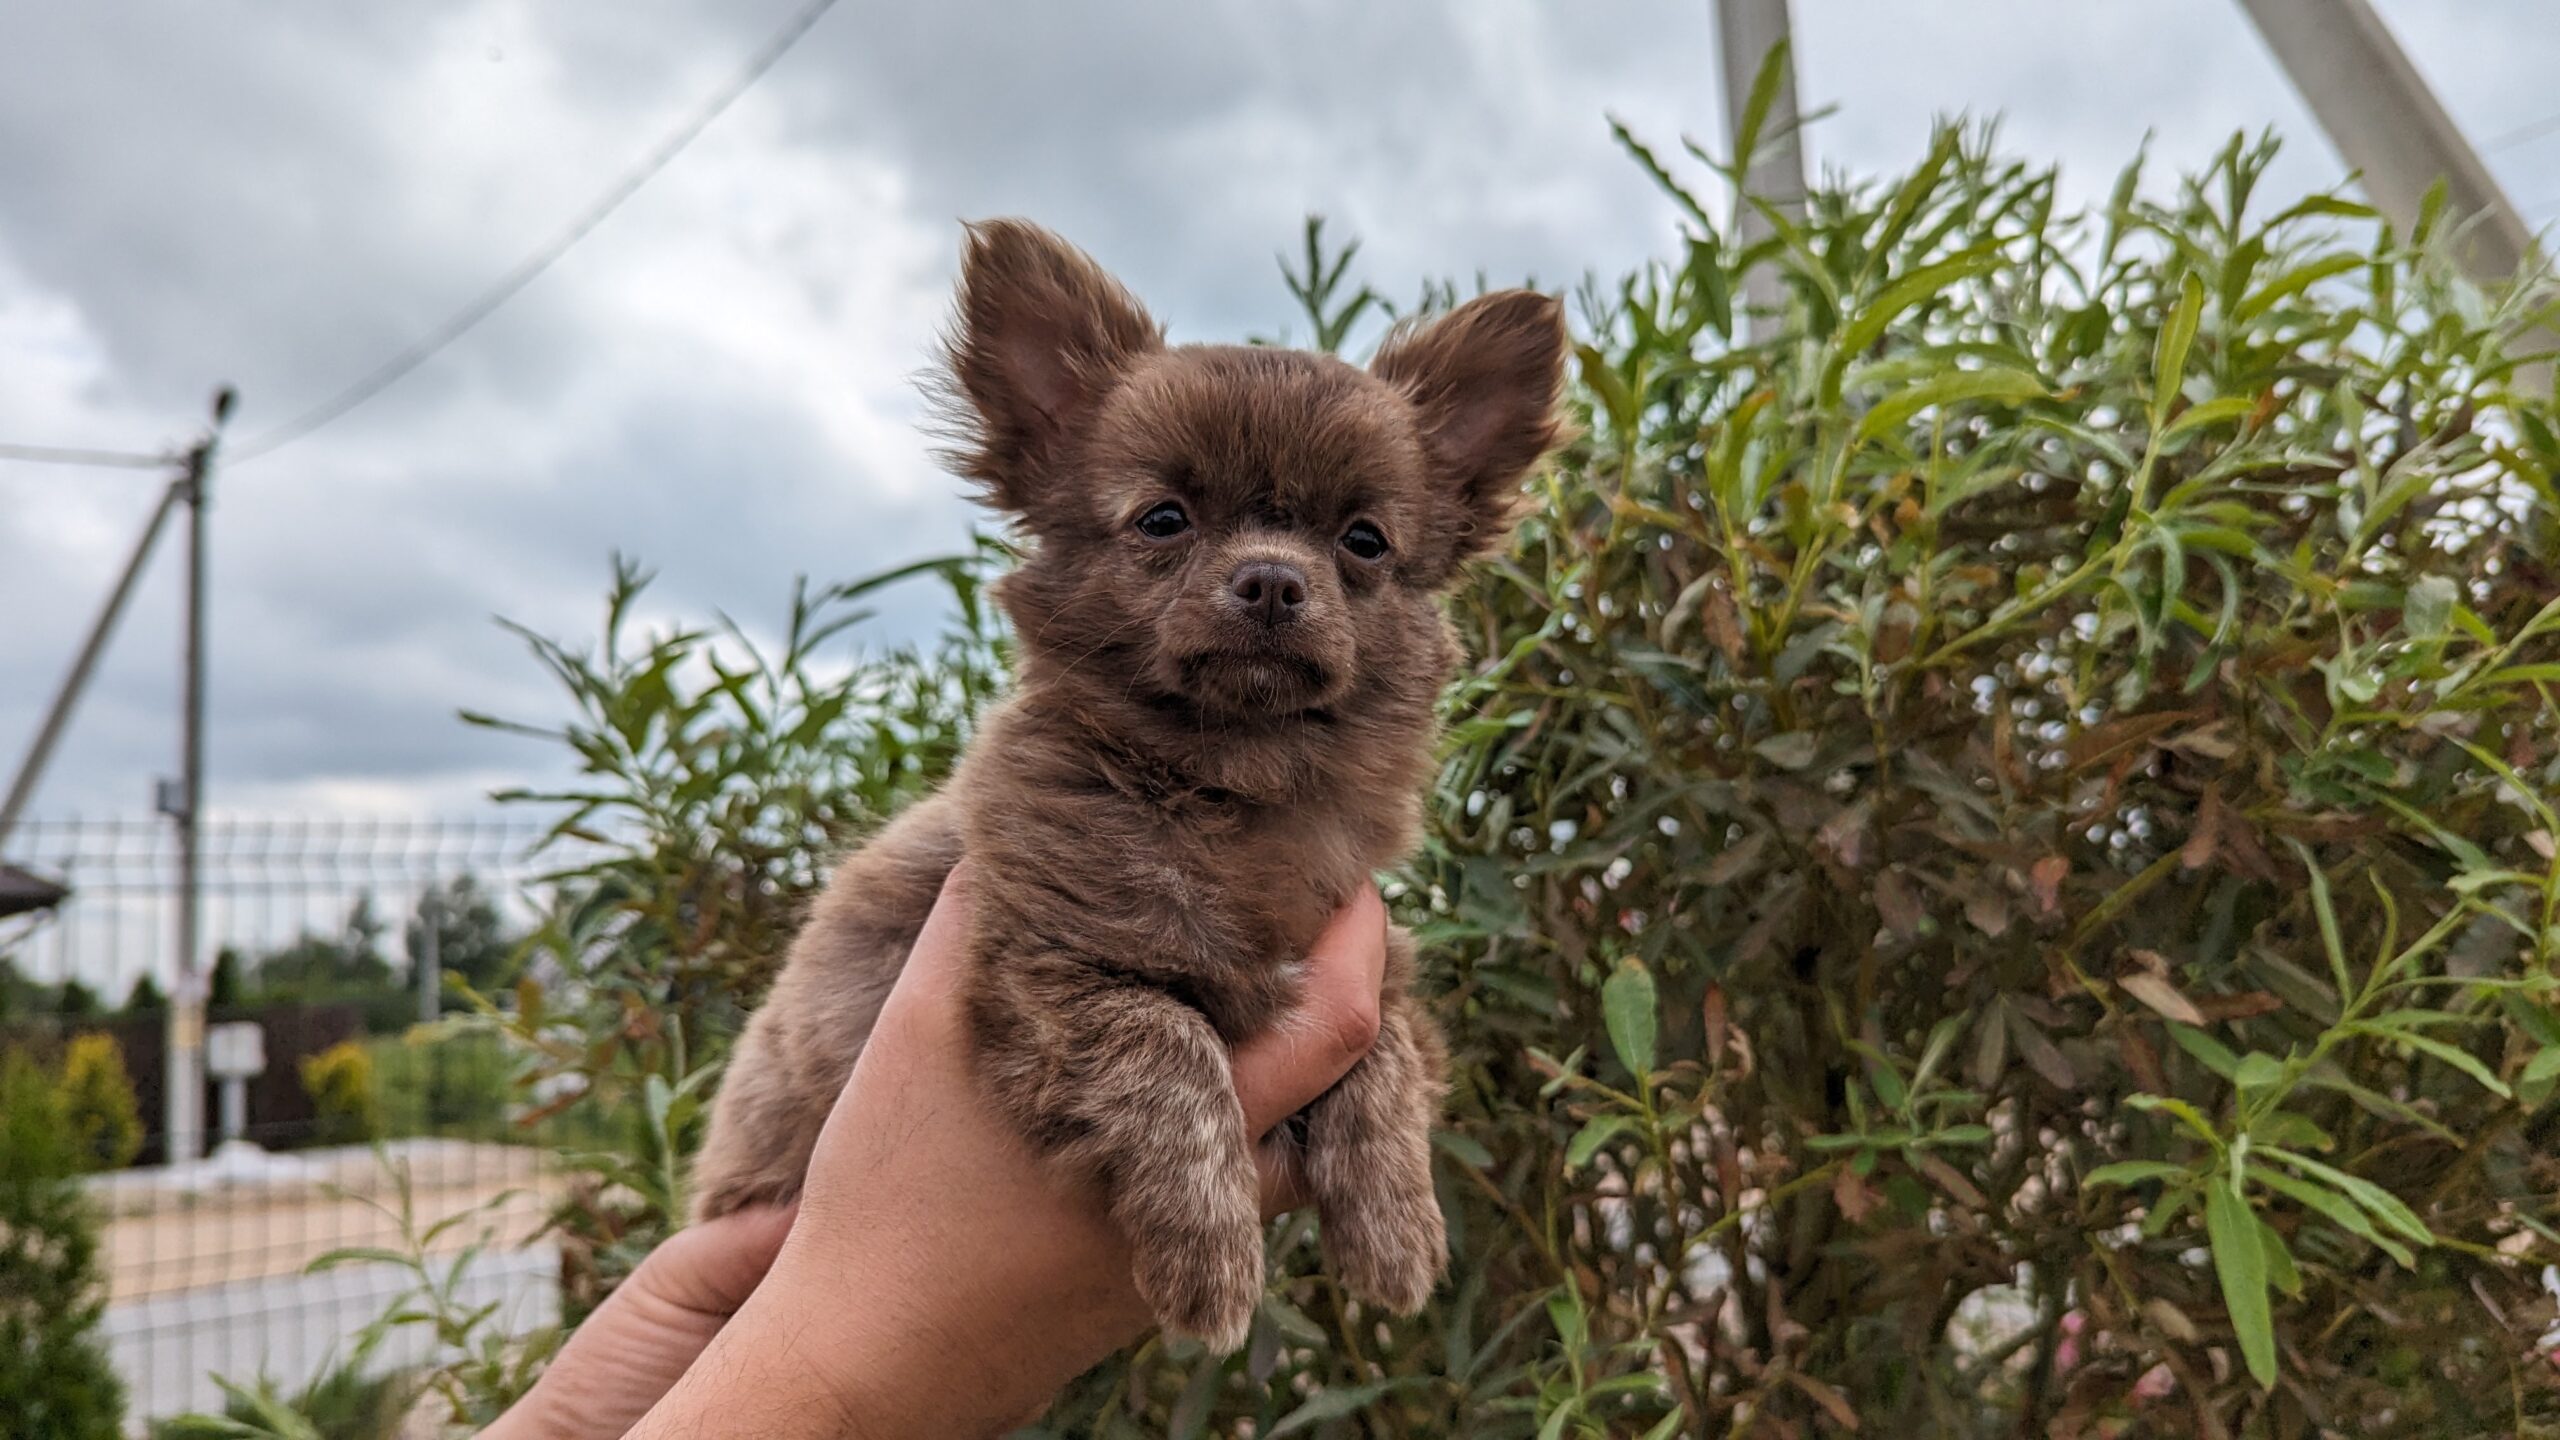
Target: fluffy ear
(1484, 378)
(1042, 334)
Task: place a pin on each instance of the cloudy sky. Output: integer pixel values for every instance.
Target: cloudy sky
(280, 193)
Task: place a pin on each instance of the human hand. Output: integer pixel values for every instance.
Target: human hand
(645, 1335)
(946, 1282)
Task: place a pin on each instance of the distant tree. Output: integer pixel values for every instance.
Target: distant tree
(345, 967)
(230, 985)
(471, 936)
(145, 998)
(54, 1376)
(20, 995)
(324, 967)
(76, 1001)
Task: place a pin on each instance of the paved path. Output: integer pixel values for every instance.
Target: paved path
(205, 1267)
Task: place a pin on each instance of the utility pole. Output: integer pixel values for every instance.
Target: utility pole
(65, 700)
(2389, 126)
(1746, 32)
(187, 996)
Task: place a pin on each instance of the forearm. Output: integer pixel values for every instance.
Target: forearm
(875, 1339)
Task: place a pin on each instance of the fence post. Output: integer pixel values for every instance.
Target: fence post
(428, 961)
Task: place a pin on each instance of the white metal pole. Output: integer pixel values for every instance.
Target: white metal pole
(1746, 31)
(2387, 123)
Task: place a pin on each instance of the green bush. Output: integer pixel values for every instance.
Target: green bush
(97, 1103)
(347, 1103)
(715, 781)
(1995, 875)
(350, 1399)
(54, 1377)
(436, 1082)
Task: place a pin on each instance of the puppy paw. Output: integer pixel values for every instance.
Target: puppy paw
(1204, 1285)
(1388, 1246)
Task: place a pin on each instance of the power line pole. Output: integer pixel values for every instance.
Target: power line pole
(187, 996)
(1746, 32)
(65, 700)
(2389, 125)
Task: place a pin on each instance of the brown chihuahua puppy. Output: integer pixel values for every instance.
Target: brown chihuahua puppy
(1230, 644)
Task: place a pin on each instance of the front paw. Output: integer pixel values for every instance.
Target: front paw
(1203, 1283)
(1387, 1244)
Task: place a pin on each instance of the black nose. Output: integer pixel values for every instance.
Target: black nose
(1269, 591)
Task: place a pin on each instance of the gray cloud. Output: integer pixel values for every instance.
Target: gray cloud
(719, 380)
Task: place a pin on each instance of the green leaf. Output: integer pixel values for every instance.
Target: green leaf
(1997, 383)
(2134, 1172)
(1595, 1133)
(2328, 917)
(2185, 1113)
(2281, 1271)
(2339, 1210)
(1335, 1404)
(2292, 282)
(2215, 1055)
(2169, 356)
(2451, 1054)
(2217, 411)
(2429, 611)
(2380, 1203)
(1668, 1426)
(1465, 1149)
(2258, 1071)
(1912, 289)
(2240, 1262)
(1627, 1001)
(2543, 1067)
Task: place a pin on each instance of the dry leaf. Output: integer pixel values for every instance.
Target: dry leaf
(1828, 1398)
(1948, 1178)
(2045, 881)
(1844, 836)
(2203, 844)
(2162, 996)
(1896, 905)
(1735, 861)
(2246, 1005)
(1715, 1017)
(2040, 1053)
(1988, 909)
(1855, 1198)
(2169, 1320)
(2141, 1059)
(1723, 623)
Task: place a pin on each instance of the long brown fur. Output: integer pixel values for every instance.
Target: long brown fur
(1180, 789)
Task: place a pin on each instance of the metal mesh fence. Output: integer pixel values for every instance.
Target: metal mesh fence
(363, 1132)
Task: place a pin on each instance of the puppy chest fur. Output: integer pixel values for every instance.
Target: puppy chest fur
(1229, 648)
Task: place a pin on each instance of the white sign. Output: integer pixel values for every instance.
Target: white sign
(235, 1049)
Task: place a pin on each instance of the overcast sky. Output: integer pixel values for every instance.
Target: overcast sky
(279, 193)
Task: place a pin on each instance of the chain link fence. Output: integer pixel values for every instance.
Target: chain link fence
(363, 1133)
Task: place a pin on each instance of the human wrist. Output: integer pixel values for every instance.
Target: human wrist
(947, 1341)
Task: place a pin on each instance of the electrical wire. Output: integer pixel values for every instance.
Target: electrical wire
(2507, 139)
(391, 371)
(73, 455)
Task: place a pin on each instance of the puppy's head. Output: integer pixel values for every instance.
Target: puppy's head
(1235, 533)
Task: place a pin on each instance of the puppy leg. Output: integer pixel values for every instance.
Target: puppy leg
(764, 1124)
(1129, 1088)
(1368, 1159)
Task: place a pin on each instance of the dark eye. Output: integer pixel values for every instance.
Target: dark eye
(1163, 522)
(1364, 542)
